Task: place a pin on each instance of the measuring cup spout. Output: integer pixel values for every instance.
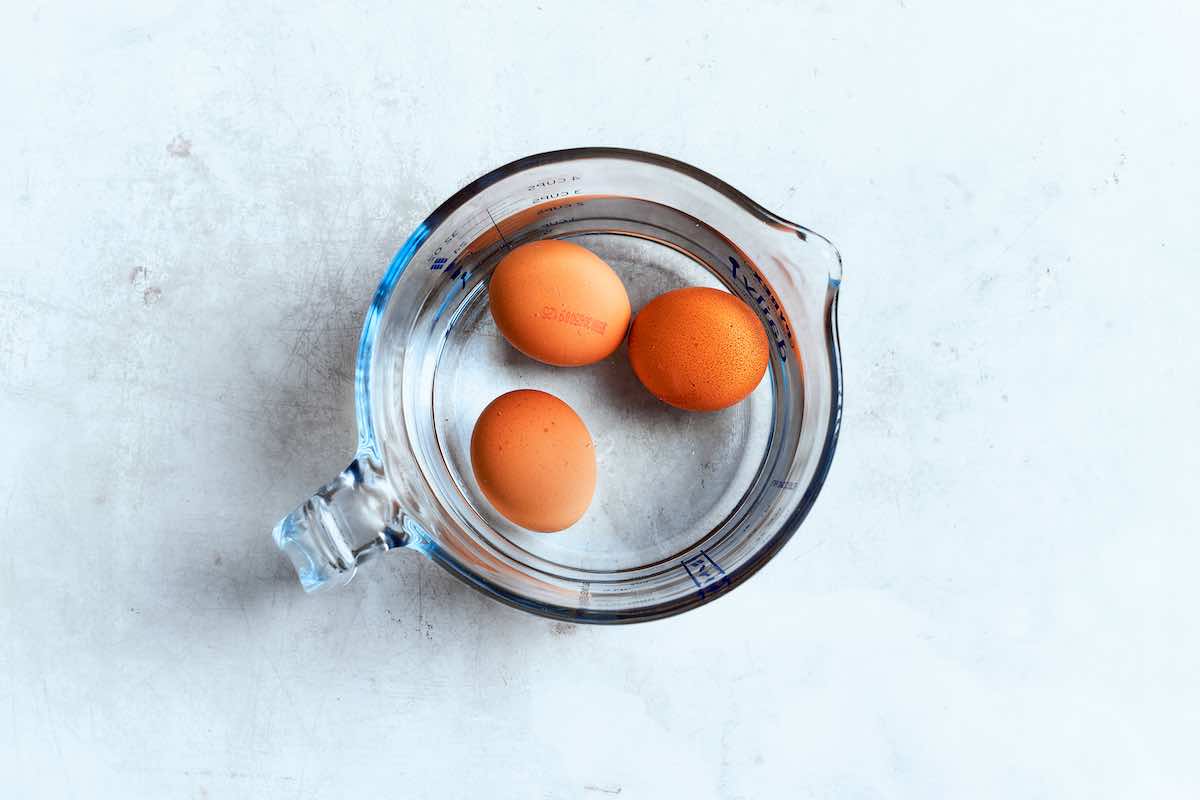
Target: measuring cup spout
(348, 521)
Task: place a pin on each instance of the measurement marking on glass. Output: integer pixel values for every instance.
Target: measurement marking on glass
(499, 232)
(705, 573)
(558, 179)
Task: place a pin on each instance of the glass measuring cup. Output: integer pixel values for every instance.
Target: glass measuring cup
(687, 505)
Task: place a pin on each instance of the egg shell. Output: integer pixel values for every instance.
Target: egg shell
(533, 459)
(698, 349)
(559, 303)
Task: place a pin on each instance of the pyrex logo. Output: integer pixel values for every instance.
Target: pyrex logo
(760, 294)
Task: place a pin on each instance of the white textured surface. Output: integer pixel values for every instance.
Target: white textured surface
(996, 593)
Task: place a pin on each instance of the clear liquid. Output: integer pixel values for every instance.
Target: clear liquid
(666, 477)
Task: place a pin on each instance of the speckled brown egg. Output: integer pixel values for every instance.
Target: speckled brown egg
(698, 349)
(533, 459)
(559, 303)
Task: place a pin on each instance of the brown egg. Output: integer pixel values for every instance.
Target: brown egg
(698, 349)
(559, 303)
(533, 459)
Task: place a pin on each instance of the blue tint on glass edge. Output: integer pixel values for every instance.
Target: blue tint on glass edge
(366, 344)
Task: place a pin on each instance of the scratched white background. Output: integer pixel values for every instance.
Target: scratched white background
(996, 593)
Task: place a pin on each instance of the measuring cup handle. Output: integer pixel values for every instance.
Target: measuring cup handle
(346, 522)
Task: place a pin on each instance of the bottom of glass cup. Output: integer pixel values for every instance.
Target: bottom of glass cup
(666, 477)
